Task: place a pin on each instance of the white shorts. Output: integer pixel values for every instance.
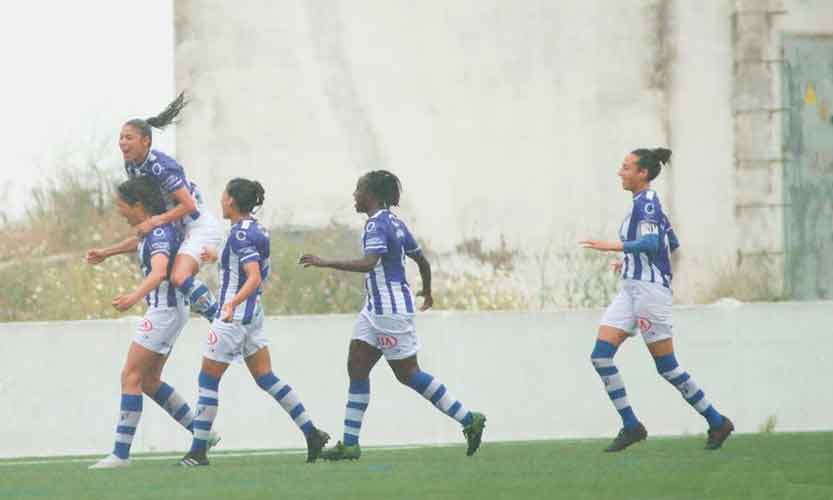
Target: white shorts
(643, 306)
(395, 336)
(160, 327)
(234, 341)
(203, 232)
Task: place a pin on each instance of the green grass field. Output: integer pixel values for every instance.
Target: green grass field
(754, 466)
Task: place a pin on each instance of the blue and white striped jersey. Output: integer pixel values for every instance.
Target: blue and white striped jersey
(386, 286)
(646, 218)
(247, 242)
(171, 177)
(165, 240)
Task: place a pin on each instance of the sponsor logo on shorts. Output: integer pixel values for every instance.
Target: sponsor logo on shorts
(387, 341)
(212, 337)
(645, 325)
(146, 325)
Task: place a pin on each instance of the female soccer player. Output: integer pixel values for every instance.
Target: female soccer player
(183, 206)
(138, 200)
(644, 301)
(385, 324)
(237, 332)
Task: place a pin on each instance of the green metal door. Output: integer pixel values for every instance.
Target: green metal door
(807, 84)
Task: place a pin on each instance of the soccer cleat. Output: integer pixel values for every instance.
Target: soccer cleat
(315, 443)
(111, 462)
(341, 452)
(719, 434)
(194, 459)
(627, 437)
(213, 440)
(474, 432)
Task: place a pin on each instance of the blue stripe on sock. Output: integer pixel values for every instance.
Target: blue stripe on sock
(209, 382)
(266, 382)
(618, 394)
(283, 392)
(666, 363)
(353, 424)
(207, 401)
(124, 429)
(438, 394)
(603, 349)
(350, 440)
(181, 412)
(714, 418)
(185, 288)
(357, 406)
(359, 386)
(679, 380)
(419, 381)
(696, 398)
(607, 371)
(202, 425)
(467, 420)
(299, 408)
(453, 409)
(628, 417)
(163, 393)
(199, 444)
(121, 450)
(307, 428)
(131, 402)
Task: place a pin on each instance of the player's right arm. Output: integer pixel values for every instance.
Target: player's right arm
(157, 274)
(98, 255)
(374, 242)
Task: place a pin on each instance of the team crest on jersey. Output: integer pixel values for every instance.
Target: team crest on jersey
(156, 169)
(645, 325)
(146, 325)
(212, 337)
(386, 341)
(159, 232)
(371, 226)
(649, 208)
(240, 235)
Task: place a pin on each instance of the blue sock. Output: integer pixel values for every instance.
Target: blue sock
(669, 369)
(201, 298)
(288, 399)
(131, 412)
(602, 359)
(435, 392)
(358, 397)
(173, 403)
(206, 410)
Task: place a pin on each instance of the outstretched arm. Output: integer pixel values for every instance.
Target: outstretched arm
(98, 255)
(363, 265)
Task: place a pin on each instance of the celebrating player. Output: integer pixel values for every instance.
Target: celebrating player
(237, 332)
(183, 206)
(385, 324)
(644, 302)
(138, 200)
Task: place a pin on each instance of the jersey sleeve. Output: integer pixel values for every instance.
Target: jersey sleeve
(375, 238)
(171, 177)
(410, 244)
(243, 245)
(161, 241)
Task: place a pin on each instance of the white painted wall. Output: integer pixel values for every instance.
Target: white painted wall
(529, 372)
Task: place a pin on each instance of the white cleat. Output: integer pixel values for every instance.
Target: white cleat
(110, 462)
(213, 439)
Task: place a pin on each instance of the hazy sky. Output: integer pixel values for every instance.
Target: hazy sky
(73, 72)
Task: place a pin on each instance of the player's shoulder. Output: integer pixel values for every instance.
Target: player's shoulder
(648, 202)
(248, 230)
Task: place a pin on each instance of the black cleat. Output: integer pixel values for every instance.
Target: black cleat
(194, 459)
(719, 434)
(627, 437)
(315, 443)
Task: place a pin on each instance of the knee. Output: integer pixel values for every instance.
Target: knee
(404, 376)
(150, 384)
(179, 276)
(131, 379)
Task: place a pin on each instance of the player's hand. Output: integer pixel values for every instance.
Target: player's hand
(427, 300)
(226, 312)
(308, 260)
(144, 228)
(616, 267)
(599, 245)
(124, 302)
(208, 255)
(95, 256)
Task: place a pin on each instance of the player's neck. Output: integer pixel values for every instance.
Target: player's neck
(238, 217)
(371, 212)
(637, 191)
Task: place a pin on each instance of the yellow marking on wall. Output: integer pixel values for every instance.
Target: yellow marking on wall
(824, 110)
(810, 95)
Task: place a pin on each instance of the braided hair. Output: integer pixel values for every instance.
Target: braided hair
(652, 160)
(247, 195)
(384, 186)
(145, 190)
(160, 121)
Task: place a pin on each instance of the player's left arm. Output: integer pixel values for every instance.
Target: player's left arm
(424, 274)
(185, 204)
(362, 265)
(253, 280)
(157, 274)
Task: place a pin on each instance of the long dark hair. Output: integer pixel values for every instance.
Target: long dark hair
(160, 121)
(144, 189)
(384, 186)
(652, 160)
(247, 194)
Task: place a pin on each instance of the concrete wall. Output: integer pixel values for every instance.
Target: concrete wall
(502, 118)
(529, 372)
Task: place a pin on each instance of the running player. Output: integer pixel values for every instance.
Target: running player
(385, 324)
(138, 200)
(183, 206)
(237, 331)
(644, 302)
